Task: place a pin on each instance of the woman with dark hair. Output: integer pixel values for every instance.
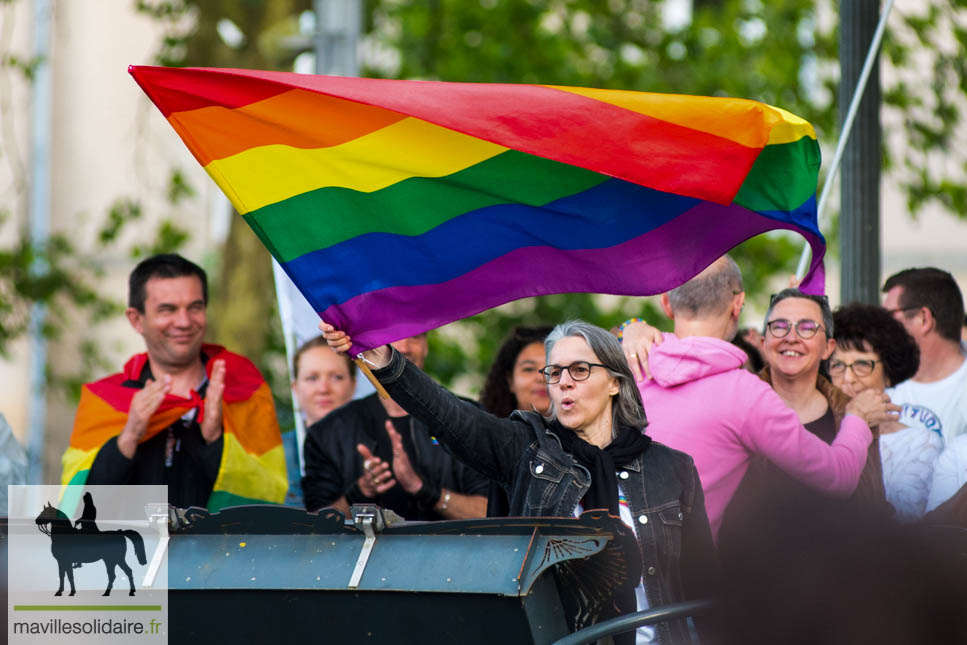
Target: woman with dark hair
(874, 351)
(514, 381)
(890, 354)
(588, 453)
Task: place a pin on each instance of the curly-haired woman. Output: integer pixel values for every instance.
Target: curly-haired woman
(873, 350)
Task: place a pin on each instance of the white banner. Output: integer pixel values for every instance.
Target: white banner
(300, 323)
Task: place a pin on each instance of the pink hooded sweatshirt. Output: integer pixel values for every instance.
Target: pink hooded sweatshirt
(702, 402)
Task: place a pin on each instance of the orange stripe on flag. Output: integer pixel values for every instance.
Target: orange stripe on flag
(249, 419)
(96, 421)
(296, 118)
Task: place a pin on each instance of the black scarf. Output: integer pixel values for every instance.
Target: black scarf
(603, 493)
(602, 464)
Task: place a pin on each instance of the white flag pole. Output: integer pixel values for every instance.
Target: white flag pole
(282, 294)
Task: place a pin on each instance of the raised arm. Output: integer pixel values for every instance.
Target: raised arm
(480, 440)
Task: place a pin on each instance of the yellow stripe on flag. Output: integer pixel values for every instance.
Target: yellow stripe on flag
(248, 475)
(409, 148)
(745, 122)
(74, 461)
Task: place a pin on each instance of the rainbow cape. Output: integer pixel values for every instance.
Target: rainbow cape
(399, 206)
(252, 470)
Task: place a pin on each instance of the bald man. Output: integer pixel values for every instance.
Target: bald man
(700, 400)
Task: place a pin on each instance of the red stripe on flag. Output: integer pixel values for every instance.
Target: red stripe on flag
(191, 89)
(543, 121)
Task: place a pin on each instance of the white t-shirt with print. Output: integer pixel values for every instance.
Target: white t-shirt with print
(940, 406)
(908, 457)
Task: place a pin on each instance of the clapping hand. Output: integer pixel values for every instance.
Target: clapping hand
(211, 426)
(144, 404)
(402, 467)
(377, 477)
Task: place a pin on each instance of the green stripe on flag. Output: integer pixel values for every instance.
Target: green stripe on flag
(322, 218)
(782, 178)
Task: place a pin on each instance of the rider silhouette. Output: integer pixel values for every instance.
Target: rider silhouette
(85, 523)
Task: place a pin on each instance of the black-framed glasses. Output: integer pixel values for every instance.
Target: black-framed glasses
(805, 328)
(901, 310)
(862, 367)
(579, 371)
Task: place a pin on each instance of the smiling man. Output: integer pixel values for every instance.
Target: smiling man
(192, 416)
(929, 305)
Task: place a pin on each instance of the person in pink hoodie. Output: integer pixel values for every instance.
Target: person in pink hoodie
(700, 400)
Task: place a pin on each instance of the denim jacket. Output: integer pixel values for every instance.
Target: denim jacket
(524, 455)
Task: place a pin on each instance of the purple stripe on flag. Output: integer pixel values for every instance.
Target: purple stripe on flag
(662, 258)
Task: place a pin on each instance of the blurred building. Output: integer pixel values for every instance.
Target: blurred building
(107, 143)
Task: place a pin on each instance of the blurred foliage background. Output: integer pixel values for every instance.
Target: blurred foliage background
(725, 50)
(783, 53)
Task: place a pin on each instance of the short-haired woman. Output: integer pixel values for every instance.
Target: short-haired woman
(797, 338)
(589, 453)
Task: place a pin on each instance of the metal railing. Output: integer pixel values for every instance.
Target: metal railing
(634, 621)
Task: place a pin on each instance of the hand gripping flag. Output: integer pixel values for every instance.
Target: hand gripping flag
(400, 206)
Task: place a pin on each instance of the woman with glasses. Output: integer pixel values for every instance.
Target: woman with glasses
(701, 401)
(874, 351)
(797, 338)
(588, 453)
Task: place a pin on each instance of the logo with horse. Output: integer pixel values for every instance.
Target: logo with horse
(74, 544)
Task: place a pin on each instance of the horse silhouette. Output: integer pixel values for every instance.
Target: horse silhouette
(69, 545)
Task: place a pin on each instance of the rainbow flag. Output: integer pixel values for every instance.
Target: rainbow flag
(252, 469)
(400, 206)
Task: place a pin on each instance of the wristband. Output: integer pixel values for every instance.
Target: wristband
(630, 321)
(445, 502)
(355, 495)
(428, 496)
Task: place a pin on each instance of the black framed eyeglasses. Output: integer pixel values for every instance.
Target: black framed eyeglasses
(805, 328)
(579, 371)
(862, 367)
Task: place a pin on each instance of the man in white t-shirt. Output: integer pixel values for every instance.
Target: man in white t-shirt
(930, 306)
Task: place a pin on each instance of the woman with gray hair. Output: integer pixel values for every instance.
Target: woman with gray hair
(588, 453)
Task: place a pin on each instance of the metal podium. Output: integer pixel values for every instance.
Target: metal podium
(259, 574)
